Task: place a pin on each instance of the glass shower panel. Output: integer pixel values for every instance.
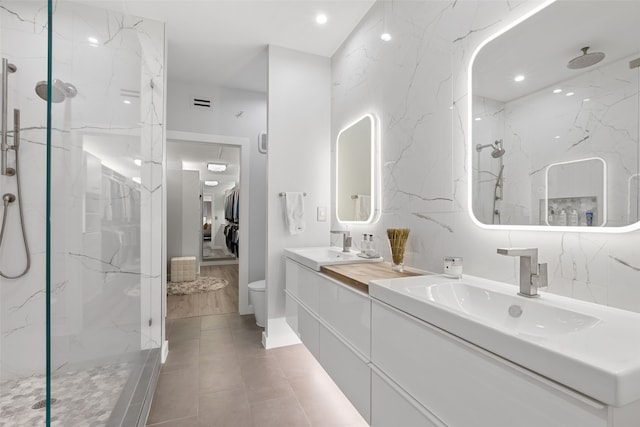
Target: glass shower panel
(105, 138)
(23, 42)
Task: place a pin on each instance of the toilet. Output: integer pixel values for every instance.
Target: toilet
(258, 301)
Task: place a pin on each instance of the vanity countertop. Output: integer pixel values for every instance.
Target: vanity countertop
(359, 275)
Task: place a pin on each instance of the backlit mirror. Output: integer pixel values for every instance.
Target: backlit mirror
(554, 120)
(355, 172)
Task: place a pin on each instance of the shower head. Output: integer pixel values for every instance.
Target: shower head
(585, 60)
(497, 151)
(59, 90)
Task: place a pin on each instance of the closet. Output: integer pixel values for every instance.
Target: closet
(232, 216)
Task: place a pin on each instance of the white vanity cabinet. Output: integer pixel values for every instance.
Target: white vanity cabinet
(463, 385)
(333, 321)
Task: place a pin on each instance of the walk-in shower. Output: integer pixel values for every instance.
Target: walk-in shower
(497, 152)
(9, 198)
(80, 303)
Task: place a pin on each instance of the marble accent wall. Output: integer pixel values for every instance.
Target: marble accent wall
(416, 84)
(542, 128)
(106, 230)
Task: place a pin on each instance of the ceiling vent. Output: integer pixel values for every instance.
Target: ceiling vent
(201, 103)
(130, 93)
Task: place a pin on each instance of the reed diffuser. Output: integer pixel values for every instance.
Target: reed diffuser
(397, 241)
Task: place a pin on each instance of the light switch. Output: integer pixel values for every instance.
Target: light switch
(322, 214)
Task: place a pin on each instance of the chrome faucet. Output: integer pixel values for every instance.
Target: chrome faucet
(346, 239)
(532, 274)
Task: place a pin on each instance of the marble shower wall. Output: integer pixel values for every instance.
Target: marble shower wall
(416, 85)
(106, 233)
(542, 128)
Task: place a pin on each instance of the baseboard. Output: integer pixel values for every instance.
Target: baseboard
(280, 334)
(165, 351)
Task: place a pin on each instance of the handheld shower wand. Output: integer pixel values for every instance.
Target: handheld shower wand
(9, 198)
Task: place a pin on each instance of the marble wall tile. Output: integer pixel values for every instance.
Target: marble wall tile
(105, 282)
(416, 84)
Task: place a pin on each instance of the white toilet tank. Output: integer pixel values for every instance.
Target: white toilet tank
(258, 300)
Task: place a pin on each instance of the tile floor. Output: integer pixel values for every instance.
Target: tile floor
(218, 374)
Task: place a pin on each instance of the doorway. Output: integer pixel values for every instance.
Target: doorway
(205, 176)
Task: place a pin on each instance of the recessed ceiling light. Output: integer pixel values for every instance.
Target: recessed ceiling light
(477, 119)
(385, 36)
(138, 162)
(136, 179)
(211, 183)
(557, 90)
(126, 101)
(321, 19)
(518, 78)
(92, 40)
(217, 167)
(557, 137)
(586, 100)
(570, 94)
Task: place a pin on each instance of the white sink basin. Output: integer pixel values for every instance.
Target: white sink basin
(521, 315)
(588, 347)
(316, 257)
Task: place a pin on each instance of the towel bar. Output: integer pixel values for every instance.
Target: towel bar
(283, 194)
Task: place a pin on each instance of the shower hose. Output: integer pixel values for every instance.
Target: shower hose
(4, 223)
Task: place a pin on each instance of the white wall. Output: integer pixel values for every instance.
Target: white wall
(299, 160)
(410, 84)
(222, 120)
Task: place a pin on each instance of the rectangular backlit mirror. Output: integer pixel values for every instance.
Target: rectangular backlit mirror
(556, 89)
(355, 172)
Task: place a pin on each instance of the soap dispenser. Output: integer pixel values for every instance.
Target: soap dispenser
(371, 248)
(364, 245)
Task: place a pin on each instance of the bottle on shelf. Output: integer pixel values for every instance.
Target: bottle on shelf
(562, 218)
(573, 218)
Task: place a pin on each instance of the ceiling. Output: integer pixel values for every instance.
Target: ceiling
(223, 42)
(196, 155)
(540, 47)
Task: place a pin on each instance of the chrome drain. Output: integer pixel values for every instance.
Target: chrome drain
(41, 404)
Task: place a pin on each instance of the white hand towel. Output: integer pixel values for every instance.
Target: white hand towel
(363, 207)
(294, 212)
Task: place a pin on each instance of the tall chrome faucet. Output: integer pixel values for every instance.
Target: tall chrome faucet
(532, 274)
(346, 239)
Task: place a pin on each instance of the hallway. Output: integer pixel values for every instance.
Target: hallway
(220, 301)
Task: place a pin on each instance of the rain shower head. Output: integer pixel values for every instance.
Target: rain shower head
(59, 90)
(585, 60)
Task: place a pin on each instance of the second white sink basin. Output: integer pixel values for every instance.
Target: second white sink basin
(587, 347)
(518, 314)
(316, 257)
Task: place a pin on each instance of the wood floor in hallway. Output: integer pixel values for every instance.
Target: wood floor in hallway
(221, 301)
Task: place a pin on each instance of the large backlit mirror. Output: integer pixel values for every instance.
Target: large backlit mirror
(355, 172)
(555, 102)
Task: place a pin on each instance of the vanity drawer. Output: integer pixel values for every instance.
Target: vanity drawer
(348, 311)
(445, 374)
(303, 283)
(304, 324)
(392, 406)
(350, 372)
